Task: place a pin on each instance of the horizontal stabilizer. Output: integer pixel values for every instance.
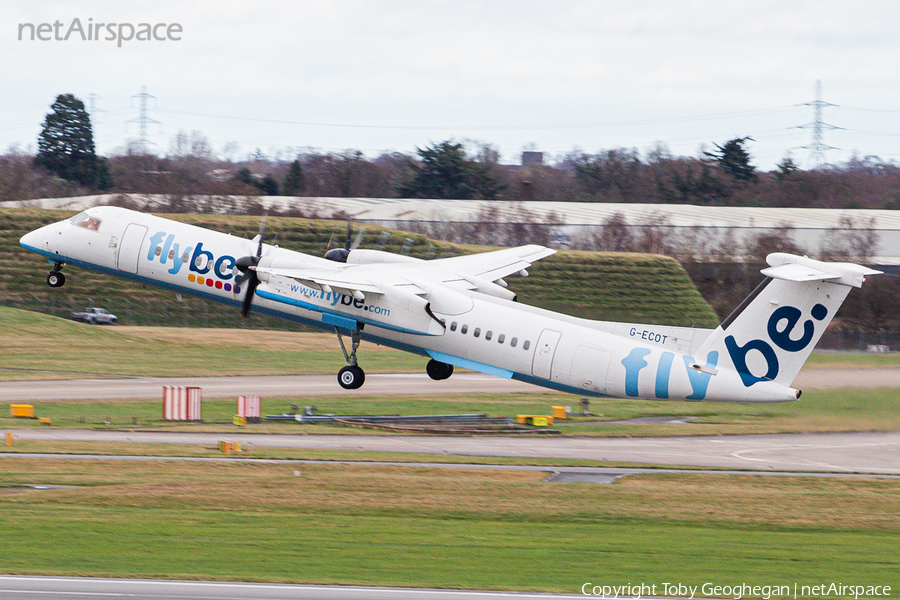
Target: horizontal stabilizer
(799, 273)
(791, 267)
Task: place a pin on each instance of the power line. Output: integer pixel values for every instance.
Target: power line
(559, 126)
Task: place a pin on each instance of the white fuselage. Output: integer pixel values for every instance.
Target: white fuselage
(481, 332)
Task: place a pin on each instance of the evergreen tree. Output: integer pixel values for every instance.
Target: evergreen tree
(294, 181)
(787, 168)
(104, 177)
(735, 159)
(268, 185)
(446, 172)
(66, 144)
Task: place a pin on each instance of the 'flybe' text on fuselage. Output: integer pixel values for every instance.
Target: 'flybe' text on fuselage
(165, 249)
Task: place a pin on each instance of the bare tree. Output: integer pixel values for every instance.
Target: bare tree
(853, 241)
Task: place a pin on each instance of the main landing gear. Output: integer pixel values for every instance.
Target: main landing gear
(352, 376)
(56, 279)
(438, 370)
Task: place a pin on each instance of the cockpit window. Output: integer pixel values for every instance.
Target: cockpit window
(85, 220)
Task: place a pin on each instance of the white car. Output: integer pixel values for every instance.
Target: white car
(96, 316)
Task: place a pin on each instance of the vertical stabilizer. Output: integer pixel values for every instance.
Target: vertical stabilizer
(772, 333)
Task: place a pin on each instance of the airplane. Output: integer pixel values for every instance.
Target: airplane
(459, 312)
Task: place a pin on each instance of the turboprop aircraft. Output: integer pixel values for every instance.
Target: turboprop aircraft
(458, 311)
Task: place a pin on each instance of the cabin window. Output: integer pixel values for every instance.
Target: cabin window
(477, 331)
(85, 220)
(526, 345)
(464, 330)
(171, 254)
(158, 251)
(453, 326)
(513, 342)
(501, 338)
(488, 335)
(199, 262)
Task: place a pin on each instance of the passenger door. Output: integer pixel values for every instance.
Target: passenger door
(130, 248)
(589, 369)
(542, 363)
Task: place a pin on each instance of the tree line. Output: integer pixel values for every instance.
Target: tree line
(66, 164)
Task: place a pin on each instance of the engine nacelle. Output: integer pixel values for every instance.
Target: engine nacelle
(489, 288)
(447, 301)
(369, 257)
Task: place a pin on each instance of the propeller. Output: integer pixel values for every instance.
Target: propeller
(341, 254)
(247, 266)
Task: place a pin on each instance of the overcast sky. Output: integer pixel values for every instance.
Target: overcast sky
(383, 76)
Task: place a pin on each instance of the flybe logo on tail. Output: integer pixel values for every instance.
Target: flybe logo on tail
(781, 336)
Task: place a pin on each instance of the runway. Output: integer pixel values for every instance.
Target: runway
(869, 452)
(229, 387)
(86, 588)
(318, 385)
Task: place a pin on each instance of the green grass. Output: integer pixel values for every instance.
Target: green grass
(35, 344)
(853, 360)
(818, 411)
(408, 526)
(65, 447)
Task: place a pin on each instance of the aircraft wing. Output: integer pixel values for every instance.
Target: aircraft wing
(326, 279)
(489, 266)
(470, 271)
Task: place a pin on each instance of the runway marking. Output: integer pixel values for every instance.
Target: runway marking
(550, 469)
(811, 447)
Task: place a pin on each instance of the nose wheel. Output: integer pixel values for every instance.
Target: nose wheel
(352, 376)
(56, 279)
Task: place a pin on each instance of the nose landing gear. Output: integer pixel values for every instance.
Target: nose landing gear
(351, 377)
(56, 279)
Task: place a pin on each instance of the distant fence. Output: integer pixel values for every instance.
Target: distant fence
(189, 313)
(860, 340)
